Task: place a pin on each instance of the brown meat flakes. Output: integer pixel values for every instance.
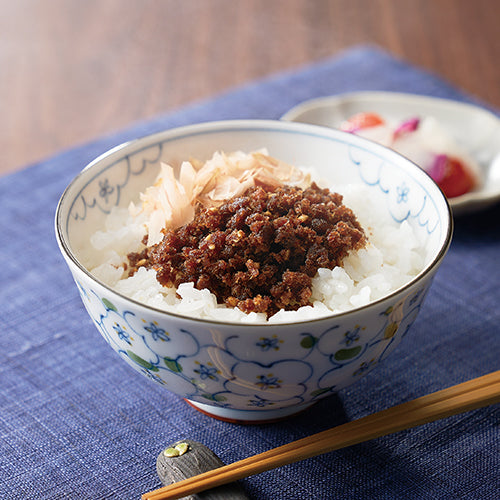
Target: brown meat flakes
(259, 251)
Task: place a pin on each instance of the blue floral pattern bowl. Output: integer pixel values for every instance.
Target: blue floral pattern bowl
(243, 372)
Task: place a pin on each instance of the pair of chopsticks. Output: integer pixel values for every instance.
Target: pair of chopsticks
(476, 393)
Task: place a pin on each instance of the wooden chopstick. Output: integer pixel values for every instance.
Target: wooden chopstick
(476, 393)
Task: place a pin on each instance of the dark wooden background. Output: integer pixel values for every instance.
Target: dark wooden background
(71, 70)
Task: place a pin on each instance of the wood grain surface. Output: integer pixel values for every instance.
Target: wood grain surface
(72, 70)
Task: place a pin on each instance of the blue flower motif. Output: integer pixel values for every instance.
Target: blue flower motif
(259, 402)
(156, 332)
(207, 372)
(265, 343)
(351, 337)
(403, 193)
(122, 333)
(105, 189)
(268, 382)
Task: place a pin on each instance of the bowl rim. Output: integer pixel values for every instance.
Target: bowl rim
(261, 125)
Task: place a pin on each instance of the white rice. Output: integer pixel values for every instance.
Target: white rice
(393, 257)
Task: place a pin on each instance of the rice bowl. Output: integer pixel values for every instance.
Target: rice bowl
(242, 367)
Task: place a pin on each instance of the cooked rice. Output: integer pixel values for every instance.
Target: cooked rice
(392, 258)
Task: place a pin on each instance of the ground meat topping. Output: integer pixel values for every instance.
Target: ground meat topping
(258, 251)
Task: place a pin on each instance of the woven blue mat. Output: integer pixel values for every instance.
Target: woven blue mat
(76, 422)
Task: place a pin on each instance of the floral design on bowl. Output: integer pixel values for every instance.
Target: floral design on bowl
(248, 372)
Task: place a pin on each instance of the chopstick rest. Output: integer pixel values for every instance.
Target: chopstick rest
(476, 393)
(187, 458)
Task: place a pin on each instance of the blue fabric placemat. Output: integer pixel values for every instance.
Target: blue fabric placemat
(76, 422)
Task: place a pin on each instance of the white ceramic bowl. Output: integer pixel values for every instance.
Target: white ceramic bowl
(242, 372)
(475, 129)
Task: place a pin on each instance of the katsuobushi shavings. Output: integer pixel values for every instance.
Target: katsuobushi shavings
(171, 201)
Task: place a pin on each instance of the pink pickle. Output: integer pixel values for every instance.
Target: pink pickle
(406, 127)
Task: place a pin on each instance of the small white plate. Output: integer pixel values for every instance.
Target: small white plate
(473, 128)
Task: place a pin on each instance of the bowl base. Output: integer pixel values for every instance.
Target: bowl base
(247, 416)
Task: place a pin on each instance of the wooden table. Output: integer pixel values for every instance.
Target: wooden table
(71, 70)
